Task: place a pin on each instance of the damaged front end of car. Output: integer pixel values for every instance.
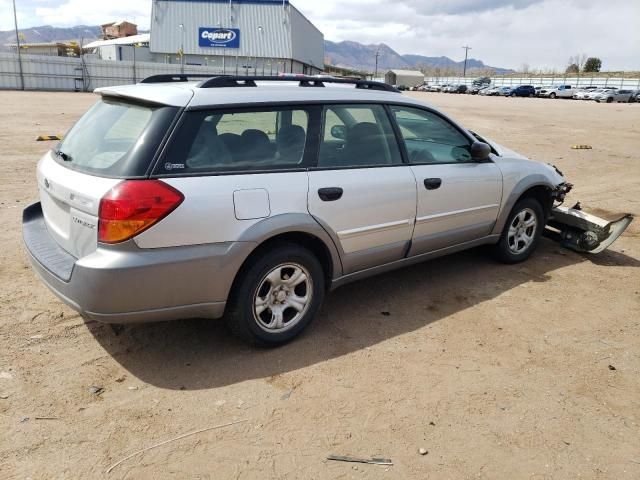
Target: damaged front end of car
(581, 231)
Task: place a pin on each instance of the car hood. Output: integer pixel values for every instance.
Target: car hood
(506, 155)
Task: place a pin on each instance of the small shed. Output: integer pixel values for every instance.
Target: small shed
(408, 78)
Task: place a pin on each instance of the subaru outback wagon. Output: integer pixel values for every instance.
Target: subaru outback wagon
(251, 197)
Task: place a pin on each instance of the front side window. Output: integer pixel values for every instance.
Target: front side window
(357, 136)
(238, 140)
(429, 138)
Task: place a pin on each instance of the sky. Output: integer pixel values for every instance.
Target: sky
(502, 33)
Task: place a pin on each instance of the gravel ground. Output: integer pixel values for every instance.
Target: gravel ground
(528, 371)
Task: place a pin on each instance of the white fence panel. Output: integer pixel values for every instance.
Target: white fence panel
(70, 73)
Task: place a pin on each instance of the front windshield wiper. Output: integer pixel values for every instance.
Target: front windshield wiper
(64, 156)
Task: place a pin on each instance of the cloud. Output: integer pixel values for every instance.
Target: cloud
(82, 12)
(540, 33)
(503, 33)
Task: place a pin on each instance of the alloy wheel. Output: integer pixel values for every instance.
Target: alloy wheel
(522, 231)
(282, 298)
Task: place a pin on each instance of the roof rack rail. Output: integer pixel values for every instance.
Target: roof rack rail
(222, 81)
(174, 77)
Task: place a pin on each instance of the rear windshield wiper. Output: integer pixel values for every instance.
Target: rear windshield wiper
(64, 156)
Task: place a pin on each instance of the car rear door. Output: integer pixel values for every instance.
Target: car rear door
(360, 190)
(458, 198)
(237, 167)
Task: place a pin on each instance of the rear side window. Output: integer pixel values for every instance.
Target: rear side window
(238, 140)
(115, 138)
(357, 136)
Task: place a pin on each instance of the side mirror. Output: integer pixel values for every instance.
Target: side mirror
(339, 132)
(480, 151)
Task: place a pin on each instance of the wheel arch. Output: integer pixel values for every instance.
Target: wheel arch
(538, 188)
(301, 229)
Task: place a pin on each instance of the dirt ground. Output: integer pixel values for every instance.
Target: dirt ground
(529, 371)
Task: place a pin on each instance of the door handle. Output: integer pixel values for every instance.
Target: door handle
(330, 194)
(432, 183)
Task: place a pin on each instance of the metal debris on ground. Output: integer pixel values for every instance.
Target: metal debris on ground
(372, 461)
(46, 138)
(93, 390)
(581, 147)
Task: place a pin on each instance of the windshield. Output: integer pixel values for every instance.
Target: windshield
(114, 138)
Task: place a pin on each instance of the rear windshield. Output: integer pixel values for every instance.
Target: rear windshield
(115, 138)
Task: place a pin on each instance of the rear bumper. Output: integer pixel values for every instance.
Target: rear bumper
(126, 284)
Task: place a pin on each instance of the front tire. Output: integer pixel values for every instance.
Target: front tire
(276, 296)
(553, 95)
(521, 233)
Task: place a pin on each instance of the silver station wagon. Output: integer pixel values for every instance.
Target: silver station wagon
(251, 197)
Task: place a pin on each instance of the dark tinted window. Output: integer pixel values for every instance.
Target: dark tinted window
(260, 139)
(115, 138)
(430, 138)
(357, 135)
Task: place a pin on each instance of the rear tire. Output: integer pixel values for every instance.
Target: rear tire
(609, 100)
(552, 95)
(276, 296)
(521, 233)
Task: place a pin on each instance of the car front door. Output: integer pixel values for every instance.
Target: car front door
(360, 190)
(458, 198)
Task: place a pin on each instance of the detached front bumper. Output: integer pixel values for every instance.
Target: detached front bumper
(126, 284)
(582, 231)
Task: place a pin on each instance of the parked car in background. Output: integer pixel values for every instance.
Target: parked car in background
(560, 91)
(523, 91)
(635, 98)
(449, 88)
(481, 82)
(581, 92)
(594, 93)
(435, 88)
(475, 89)
(620, 96)
(538, 89)
(504, 91)
(461, 89)
(490, 91)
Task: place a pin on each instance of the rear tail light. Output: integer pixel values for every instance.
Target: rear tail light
(133, 206)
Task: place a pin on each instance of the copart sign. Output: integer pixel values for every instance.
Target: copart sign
(219, 37)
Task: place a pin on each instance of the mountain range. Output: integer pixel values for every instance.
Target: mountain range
(355, 55)
(346, 54)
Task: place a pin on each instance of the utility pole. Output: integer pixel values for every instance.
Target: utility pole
(181, 48)
(375, 75)
(15, 20)
(466, 54)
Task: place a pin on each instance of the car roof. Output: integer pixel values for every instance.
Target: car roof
(191, 95)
